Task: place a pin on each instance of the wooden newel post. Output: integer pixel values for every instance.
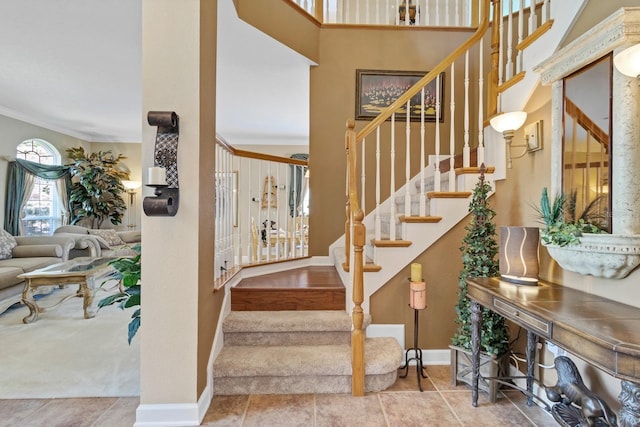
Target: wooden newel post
(357, 335)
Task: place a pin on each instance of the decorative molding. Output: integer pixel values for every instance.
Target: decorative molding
(619, 29)
(601, 255)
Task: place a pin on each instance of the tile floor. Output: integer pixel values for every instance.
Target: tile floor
(401, 405)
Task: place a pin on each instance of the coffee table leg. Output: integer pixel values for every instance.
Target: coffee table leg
(27, 299)
(88, 289)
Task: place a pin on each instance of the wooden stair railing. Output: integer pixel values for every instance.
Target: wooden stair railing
(355, 231)
(255, 198)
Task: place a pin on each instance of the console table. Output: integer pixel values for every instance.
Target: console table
(602, 332)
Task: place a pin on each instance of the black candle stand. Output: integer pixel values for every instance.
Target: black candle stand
(417, 353)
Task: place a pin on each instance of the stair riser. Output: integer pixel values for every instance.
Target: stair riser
(287, 299)
(286, 338)
(298, 384)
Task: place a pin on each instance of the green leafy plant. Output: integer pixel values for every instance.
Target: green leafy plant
(479, 250)
(128, 273)
(96, 187)
(559, 217)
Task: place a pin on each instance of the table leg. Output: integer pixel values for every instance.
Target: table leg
(476, 324)
(629, 399)
(30, 302)
(532, 342)
(88, 290)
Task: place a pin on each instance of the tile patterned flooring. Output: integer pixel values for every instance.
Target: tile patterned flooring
(401, 405)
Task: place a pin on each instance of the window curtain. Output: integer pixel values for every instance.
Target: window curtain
(21, 176)
(296, 177)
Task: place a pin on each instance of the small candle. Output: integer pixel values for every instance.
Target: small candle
(416, 272)
(157, 176)
(418, 295)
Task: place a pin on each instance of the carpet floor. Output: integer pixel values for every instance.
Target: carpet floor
(63, 355)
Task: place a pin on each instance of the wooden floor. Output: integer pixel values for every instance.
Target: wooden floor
(308, 288)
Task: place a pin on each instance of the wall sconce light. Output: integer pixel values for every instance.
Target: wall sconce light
(131, 187)
(507, 124)
(628, 62)
(519, 255)
(163, 176)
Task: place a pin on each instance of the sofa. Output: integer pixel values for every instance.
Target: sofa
(100, 242)
(22, 254)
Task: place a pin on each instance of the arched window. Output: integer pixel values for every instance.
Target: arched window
(41, 215)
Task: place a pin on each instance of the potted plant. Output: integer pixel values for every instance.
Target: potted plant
(96, 187)
(128, 273)
(479, 250)
(581, 245)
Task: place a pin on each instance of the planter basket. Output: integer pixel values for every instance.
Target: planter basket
(490, 366)
(600, 255)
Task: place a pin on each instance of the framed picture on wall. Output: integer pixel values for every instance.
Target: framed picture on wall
(377, 89)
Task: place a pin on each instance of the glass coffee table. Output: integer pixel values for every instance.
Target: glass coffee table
(81, 271)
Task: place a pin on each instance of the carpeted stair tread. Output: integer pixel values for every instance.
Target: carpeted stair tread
(383, 355)
(287, 321)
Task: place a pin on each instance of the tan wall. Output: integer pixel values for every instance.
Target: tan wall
(333, 85)
(285, 24)
(441, 264)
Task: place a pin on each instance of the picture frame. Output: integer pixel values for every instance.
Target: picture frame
(377, 89)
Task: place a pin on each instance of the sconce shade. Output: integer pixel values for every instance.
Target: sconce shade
(519, 254)
(628, 61)
(508, 121)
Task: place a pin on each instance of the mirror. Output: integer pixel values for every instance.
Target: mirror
(587, 139)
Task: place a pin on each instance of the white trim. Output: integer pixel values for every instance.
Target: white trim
(168, 414)
(431, 357)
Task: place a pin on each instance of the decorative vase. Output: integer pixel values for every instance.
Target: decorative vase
(519, 254)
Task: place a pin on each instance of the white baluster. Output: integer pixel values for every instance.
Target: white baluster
(545, 11)
(510, 41)
(457, 13)
(446, 13)
(532, 17)
(437, 13)
(363, 177)
(392, 181)
(519, 65)
(357, 12)
(377, 6)
(427, 13)
(480, 107)
(347, 12)
(466, 150)
(378, 234)
(367, 18)
(423, 195)
(452, 133)
(407, 163)
(500, 50)
(396, 11)
(436, 174)
(326, 11)
(387, 10)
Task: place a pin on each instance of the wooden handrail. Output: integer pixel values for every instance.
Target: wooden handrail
(258, 156)
(429, 77)
(585, 121)
(355, 230)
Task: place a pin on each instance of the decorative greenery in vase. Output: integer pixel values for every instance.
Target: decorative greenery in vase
(96, 187)
(128, 273)
(479, 250)
(562, 226)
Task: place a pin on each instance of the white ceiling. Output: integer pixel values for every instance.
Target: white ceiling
(74, 66)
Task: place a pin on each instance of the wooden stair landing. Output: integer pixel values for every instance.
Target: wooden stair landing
(307, 288)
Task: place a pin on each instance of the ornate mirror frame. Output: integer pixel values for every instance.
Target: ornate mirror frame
(617, 32)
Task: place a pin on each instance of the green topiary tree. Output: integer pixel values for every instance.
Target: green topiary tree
(479, 250)
(96, 187)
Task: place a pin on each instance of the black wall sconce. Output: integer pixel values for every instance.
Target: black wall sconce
(163, 176)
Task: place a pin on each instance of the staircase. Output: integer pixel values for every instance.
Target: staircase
(290, 352)
(288, 332)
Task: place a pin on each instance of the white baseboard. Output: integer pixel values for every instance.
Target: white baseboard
(168, 415)
(432, 357)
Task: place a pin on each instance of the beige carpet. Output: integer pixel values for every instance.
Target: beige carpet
(64, 355)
